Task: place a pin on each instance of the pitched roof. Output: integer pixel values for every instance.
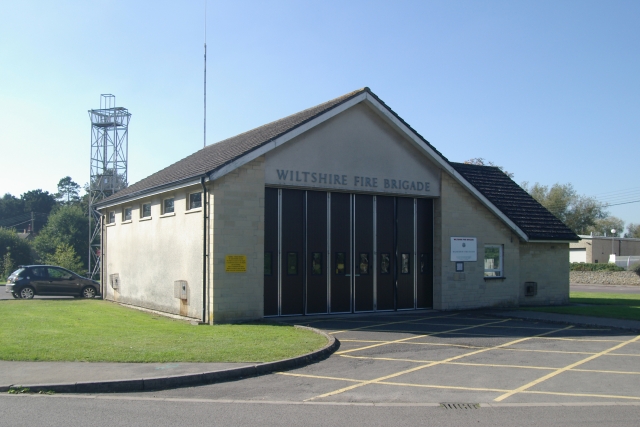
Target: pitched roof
(506, 196)
(525, 211)
(214, 156)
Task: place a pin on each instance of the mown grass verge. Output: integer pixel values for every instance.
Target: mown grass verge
(100, 331)
(616, 306)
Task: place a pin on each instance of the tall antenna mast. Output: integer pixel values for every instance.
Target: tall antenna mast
(205, 74)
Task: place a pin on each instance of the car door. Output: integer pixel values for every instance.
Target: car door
(62, 281)
(39, 279)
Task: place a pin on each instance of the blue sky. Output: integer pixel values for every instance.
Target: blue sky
(547, 89)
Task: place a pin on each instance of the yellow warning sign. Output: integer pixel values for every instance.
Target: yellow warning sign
(235, 263)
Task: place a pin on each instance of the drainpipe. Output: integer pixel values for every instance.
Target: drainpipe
(204, 250)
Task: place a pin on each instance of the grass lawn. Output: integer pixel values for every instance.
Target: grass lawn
(618, 306)
(100, 331)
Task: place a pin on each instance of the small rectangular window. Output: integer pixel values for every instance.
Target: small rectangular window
(405, 264)
(363, 266)
(385, 263)
(316, 264)
(167, 206)
(126, 214)
(195, 200)
(493, 261)
(340, 263)
(145, 212)
(111, 219)
(292, 263)
(267, 264)
(423, 263)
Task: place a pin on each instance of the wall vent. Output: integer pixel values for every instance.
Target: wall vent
(114, 280)
(530, 289)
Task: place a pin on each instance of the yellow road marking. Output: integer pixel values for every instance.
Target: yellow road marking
(289, 374)
(448, 387)
(414, 337)
(489, 365)
(391, 323)
(505, 349)
(561, 370)
(429, 333)
(493, 365)
(417, 368)
(609, 396)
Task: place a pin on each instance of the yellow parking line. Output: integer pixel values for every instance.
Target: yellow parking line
(417, 368)
(561, 370)
(488, 365)
(414, 337)
(289, 374)
(446, 387)
(391, 323)
(623, 354)
(607, 396)
(485, 335)
(599, 371)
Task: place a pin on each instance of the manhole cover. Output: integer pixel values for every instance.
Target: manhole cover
(460, 405)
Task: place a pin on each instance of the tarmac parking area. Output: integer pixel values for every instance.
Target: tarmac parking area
(462, 357)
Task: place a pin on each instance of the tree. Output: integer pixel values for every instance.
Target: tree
(14, 251)
(10, 206)
(38, 201)
(634, 231)
(603, 226)
(576, 211)
(67, 189)
(67, 225)
(66, 257)
(482, 162)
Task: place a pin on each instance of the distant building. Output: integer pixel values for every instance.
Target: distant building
(341, 208)
(597, 249)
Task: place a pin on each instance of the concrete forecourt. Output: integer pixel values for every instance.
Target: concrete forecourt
(429, 358)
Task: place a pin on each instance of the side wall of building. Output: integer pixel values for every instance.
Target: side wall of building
(598, 249)
(150, 254)
(237, 228)
(546, 264)
(459, 214)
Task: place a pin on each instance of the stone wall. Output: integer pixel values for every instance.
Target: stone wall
(459, 214)
(237, 228)
(547, 265)
(605, 277)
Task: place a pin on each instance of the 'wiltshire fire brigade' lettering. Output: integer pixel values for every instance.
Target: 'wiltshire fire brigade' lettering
(364, 182)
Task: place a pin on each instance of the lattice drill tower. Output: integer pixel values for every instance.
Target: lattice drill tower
(109, 162)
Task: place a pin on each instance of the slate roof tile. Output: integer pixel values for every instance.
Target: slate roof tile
(518, 205)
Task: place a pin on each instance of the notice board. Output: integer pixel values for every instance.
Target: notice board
(235, 263)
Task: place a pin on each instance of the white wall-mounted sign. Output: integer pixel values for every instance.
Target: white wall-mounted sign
(464, 249)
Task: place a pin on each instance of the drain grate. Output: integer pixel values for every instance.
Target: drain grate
(460, 405)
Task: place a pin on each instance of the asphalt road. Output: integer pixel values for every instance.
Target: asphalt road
(123, 410)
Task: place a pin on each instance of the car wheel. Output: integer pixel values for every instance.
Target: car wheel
(16, 296)
(89, 292)
(26, 293)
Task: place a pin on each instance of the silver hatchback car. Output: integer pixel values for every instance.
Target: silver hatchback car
(30, 280)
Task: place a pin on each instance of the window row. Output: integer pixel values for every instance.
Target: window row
(194, 201)
(362, 267)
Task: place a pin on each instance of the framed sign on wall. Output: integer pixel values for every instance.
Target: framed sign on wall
(464, 249)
